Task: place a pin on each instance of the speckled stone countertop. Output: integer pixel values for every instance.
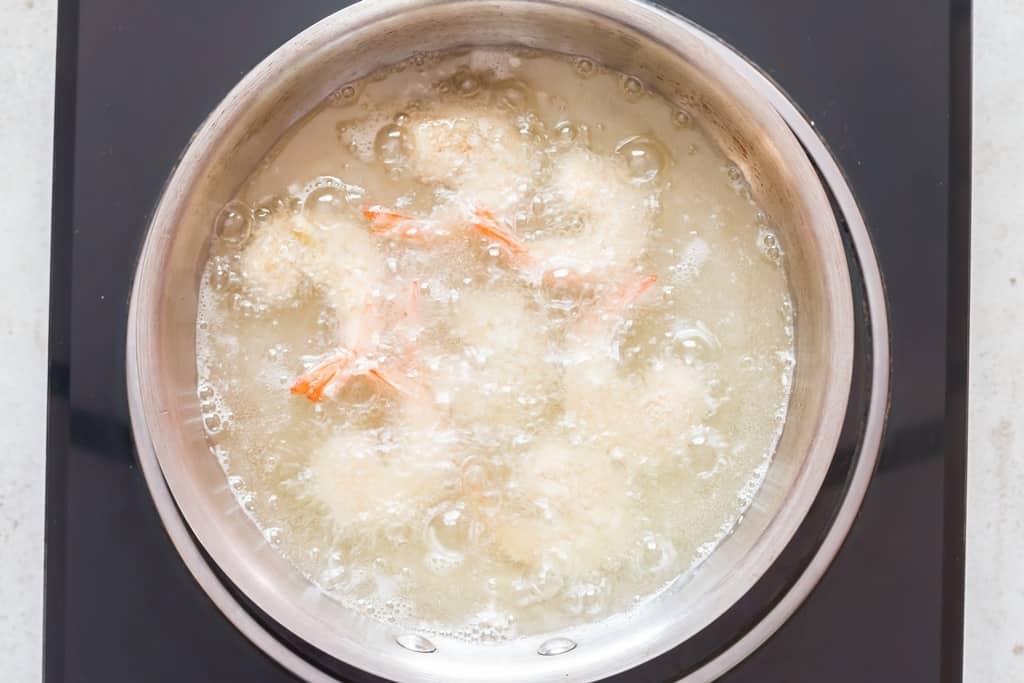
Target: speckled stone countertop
(27, 41)
(995, 547)
(995, 481)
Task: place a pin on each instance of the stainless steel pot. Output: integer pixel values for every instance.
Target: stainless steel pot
(636, 38)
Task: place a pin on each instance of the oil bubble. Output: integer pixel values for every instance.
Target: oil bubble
(644, 158)
(206, 393)
(706, 451)
(233, 222)
(682, 118)
(276, 206)
(586, 598)
(565, 296)
(768, 244)
(633, 88)
(585, 68)
(324, 206)
(695, 340)
(466, 84)
(564, 134)
(345, 96)
(530, 126)
(263, 214)
(540, 585)
(511, 95)
(391, 145)
(213, 423)
(786, 309)
(449, 530)
(748, 364)
(656, 554)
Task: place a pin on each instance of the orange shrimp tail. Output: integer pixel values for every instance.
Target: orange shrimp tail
(622, 298)
(634, 290)
(396, 382)
(384, 220)
(312, 386)
(314, 383)
(487, 225)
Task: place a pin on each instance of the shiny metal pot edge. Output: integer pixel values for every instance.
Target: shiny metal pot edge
(665, 52)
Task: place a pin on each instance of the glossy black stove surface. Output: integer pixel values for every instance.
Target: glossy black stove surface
(886, 83)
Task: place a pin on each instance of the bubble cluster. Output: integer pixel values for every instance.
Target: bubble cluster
(212, 409)
(768, 244)
(276, 206)
(345, 96)
(694, 255)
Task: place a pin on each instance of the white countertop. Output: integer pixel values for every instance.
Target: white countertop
(995, 481)
(995, 566)
(27, 39)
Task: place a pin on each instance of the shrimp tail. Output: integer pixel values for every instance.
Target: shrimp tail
(387, 222)
(384, 220)
(328, 375)
(633, 290)
(486, 224)
(397, 382)
(615, 304)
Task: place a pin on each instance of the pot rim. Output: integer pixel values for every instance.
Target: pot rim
(143, 404)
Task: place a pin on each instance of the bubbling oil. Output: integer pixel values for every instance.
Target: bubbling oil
(586, 321)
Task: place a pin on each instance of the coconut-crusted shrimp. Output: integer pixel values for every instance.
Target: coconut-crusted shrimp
(379, 344)
(290, 255)
(497, 320)
(496, 380)
(614, 215)
(271, 267)
(476, 153)
(368, 483)
(567, 509)
(664, 398)
(613, 218)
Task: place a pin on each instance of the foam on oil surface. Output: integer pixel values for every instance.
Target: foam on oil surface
(568, 456)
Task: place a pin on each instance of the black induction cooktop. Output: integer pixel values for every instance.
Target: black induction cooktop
(887, 85)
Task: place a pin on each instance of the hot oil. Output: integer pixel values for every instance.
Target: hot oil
(568, 448)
